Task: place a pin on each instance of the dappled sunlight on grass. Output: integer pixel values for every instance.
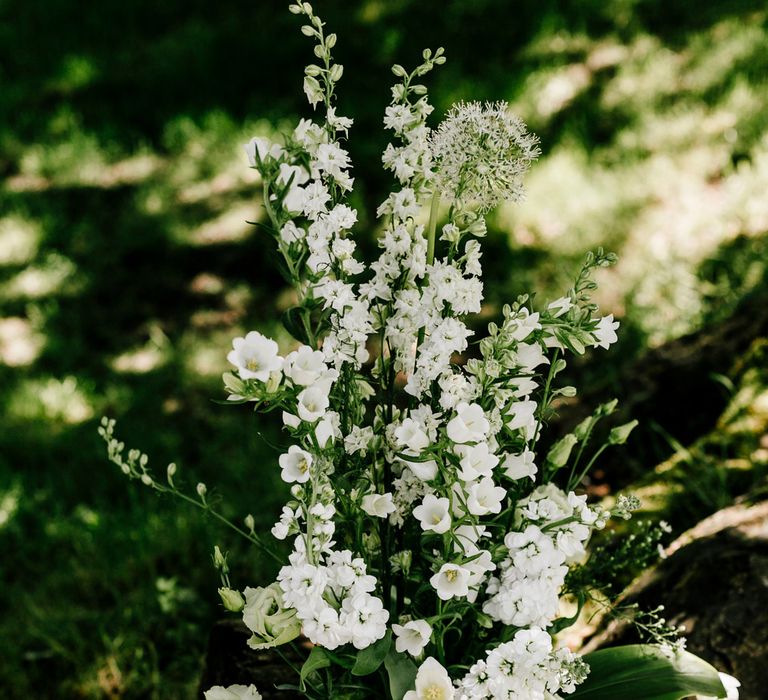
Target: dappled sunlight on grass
(19, 240)
(230, 226)
(9, 504)
(52, 400)
(54, 274)
(20, 344)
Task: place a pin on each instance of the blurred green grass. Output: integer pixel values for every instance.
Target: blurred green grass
(126, 265)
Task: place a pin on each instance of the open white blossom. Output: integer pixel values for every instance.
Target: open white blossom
(255, 356)
(452, 581)
(432, 682)
(434, 514)
(295, 465)
(378, 505)
(469, 425)
(412, 637)
(605, 333)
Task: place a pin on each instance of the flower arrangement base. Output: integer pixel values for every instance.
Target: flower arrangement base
(230, 660)
(715, 582)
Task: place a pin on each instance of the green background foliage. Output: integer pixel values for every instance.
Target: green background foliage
(126, 265)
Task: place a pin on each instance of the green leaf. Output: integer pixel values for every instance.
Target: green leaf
(316, 660)
(294, 324)
(370, 658)
(645, 672)
(402, 674)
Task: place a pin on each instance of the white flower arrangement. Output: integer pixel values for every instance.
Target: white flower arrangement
(432, 539)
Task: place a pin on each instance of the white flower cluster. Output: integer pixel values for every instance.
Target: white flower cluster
(355, 616)
(526, 667)
(527, 591)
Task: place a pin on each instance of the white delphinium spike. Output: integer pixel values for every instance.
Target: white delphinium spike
(481, 152)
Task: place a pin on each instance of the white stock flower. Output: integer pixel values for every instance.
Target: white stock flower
(432, 683)
(295, 465)
(560, 306)
(255, 356)
(233, 692)
(451, 581)
(434, 514)
(263, 148)
(522, 416)
(469, 425)
(378, 505)
(412, 637)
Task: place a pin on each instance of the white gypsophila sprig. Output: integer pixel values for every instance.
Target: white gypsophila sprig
(481, 153)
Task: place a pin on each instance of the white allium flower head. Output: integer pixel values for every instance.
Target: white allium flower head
(481, 153)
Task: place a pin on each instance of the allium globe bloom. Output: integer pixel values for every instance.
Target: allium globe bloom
(481, 153)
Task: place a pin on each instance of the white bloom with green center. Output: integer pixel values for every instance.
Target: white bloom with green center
(481, 153)
(452, 581)
(469, 425)
(255, 356)
(378, 505)
(432, 683)
(295, 465)
(476, 461)
(485, 497)
(313, 403)
(412, 637)
(304, 366)
(410, 434)
(434, 514)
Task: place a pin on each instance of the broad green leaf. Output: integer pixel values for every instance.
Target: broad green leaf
(316, 660)
(402, 674)
(645, 672)
(370, 658)
(294, 324)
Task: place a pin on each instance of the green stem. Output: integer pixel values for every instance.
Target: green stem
(432, 226)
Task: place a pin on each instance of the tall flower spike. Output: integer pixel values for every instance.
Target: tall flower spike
(481, 153)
